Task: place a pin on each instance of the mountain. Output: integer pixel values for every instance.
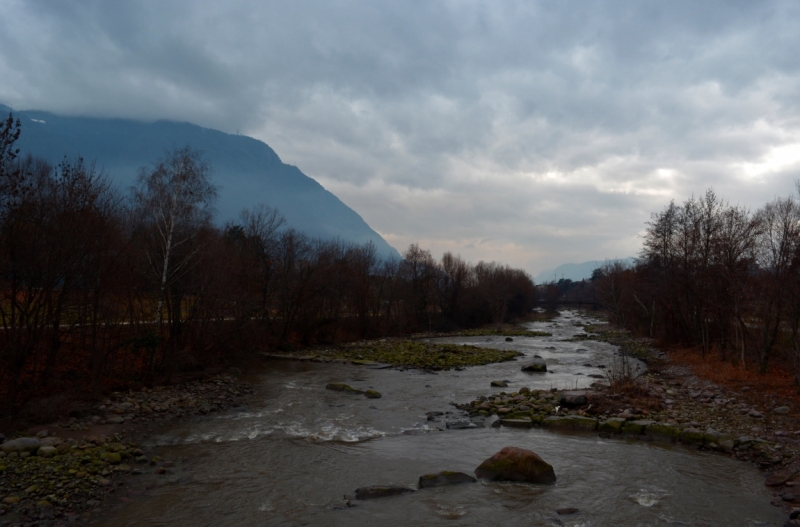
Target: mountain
(575, 272)
(247, 170)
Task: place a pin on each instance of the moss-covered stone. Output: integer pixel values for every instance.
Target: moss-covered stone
(372, 394)
(612, 425)
(535, 366)
(635, 427)
(572, 422)
(111, 457)
(692, 435)
(664, 430)
(342, 387)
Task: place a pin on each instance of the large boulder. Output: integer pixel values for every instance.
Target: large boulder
(444, 478)
(516, 464)
(380, 491)
(572, 399)
(535, 366)
(21, 444)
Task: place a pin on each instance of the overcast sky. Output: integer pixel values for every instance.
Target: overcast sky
(531, 133)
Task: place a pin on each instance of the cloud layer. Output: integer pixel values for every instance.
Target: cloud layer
(534, 133)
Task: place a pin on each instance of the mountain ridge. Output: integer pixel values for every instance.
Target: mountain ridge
(247, 170)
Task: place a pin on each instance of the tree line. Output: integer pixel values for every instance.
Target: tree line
(716, 277)
(100, 287)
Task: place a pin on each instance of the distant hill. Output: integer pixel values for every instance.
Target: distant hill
(574, 272)
(247, 170)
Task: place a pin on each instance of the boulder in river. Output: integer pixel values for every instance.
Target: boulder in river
(372, 394)
(342, 387)
(21, 444)
(517, 464)
(535, 366)
(381, 491)
(444, 478)
(499, 384)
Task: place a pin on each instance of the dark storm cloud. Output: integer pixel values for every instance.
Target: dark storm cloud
(530, 132)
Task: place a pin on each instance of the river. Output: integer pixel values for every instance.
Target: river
(296, 450)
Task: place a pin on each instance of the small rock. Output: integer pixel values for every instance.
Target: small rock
(781, 410)
(21, 444)
(755, 414)
(567, 510)
(381, 491)
(499, 384)
(509, 339)
(111, 458)
(47, 451)
(444, 478)
(461, 425)
(372, 394)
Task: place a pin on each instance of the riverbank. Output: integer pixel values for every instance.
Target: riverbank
(59, 474)
(176, 404)
(670, 402)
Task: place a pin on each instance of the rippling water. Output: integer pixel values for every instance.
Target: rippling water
(297, 450)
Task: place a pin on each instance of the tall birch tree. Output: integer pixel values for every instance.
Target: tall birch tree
(175, 198)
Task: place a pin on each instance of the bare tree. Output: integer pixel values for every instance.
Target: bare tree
(175, 199)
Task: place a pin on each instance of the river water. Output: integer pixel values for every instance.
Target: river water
(296, 450)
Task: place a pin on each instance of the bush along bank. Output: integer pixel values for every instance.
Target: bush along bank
(62, 473)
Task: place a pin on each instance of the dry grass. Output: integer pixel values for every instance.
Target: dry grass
(776, 382)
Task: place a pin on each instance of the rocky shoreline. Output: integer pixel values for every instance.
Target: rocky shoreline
(668, 403)
(59, 474)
